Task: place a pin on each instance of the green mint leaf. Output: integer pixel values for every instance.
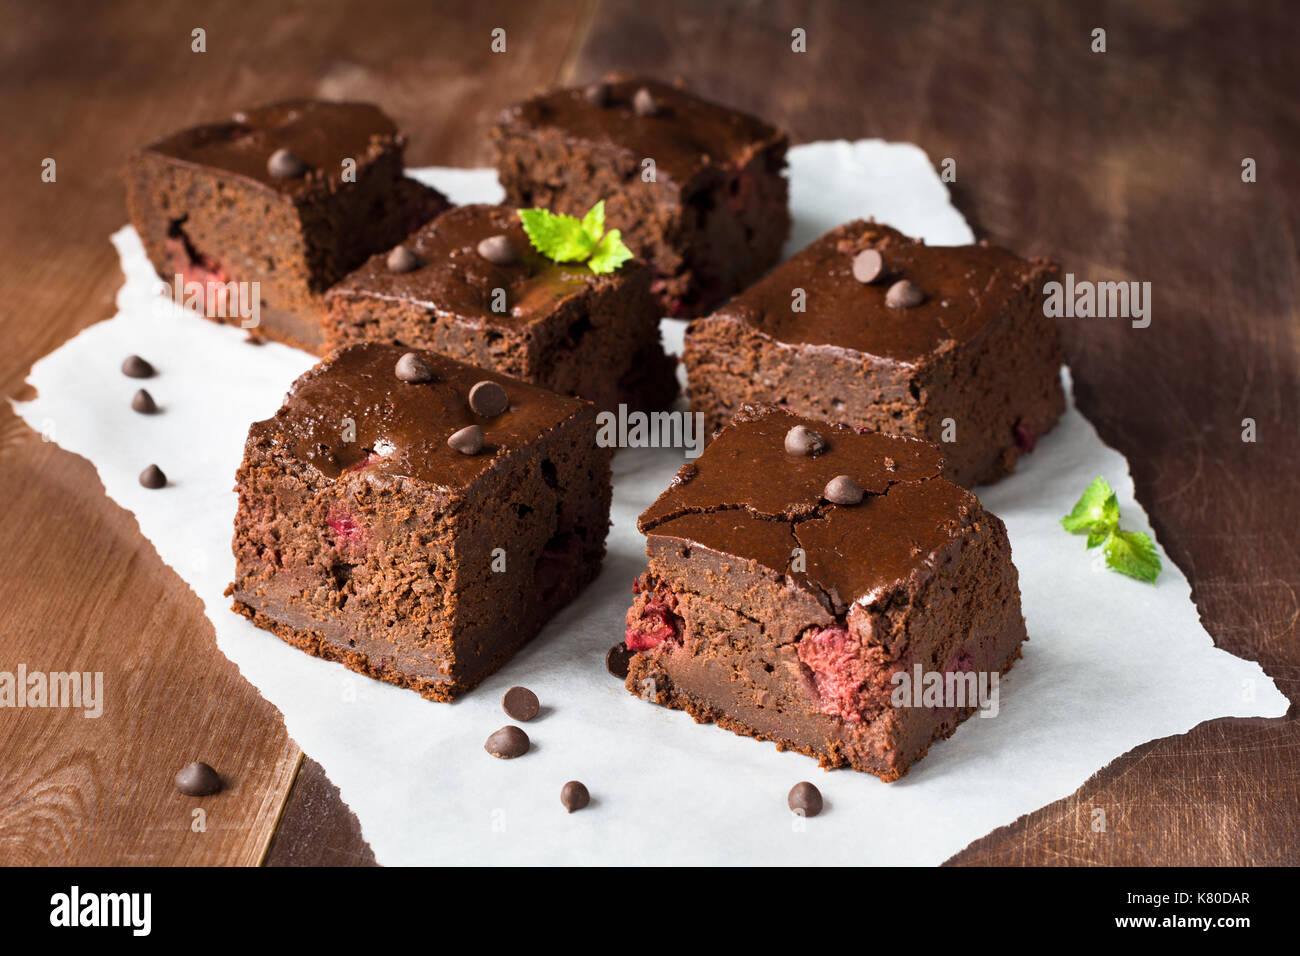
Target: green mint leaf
(593, 224)
(610, 253)
(1132, 553)
(558, 237)
(1097, 510)
(1096, 537)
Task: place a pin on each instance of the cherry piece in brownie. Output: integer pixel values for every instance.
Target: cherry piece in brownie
(870, 328)
(292, 196)
(419, 529)
(471, 286)
(786, 588)
(696, 188)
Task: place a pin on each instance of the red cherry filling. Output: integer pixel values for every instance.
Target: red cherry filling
(652, 618)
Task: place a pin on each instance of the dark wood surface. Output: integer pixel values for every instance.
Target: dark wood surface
(1123, 165)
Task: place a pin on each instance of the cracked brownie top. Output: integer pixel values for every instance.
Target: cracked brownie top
(750, 497)
(870, 289)
(290, 147)
(684, 134)
(361, 411)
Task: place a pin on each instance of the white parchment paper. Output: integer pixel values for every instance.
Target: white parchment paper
(1111, 662)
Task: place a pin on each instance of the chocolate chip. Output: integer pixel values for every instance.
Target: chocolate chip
(412, 369)
(616, 660)
(805, 799)
(498, 250)
(197, 780)
(153, 477)
(143, 403)
(520, 704)
(467, 441)
(574, 796)
(801, 440)
(903, 295)
(488, 399)
(285, 165)
(506, 743)
(643, 103)
(843, 490)
(868, 266)
(136, 367)
(597, 95)
(402, 259)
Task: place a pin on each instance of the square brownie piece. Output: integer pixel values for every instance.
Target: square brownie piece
(476, 290)
(371, 532)
(782, 614)
(267, 198)
(945, 343)
(710, 220)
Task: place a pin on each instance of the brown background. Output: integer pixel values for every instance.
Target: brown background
(1124, 165)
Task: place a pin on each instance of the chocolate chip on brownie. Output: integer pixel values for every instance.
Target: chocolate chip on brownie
(803, 441)
(467, 441)
(402, 259)
(197, 780)
(520, 704)
(488, 399)
(617, 659)
(498, 250)
(574, 795)
(904, 295)
(805, 799)
(507, 743)
(285, 165)
(136, 367)
(143, 403)
(843, 490)
(412, 369)
(644, 103)
(153, 477)
(868, 266)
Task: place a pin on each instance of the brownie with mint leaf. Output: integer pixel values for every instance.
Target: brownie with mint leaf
(553, 300)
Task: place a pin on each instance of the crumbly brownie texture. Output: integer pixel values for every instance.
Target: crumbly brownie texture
(559, 324)
(713, 219)
(362, 537)
(735, 626)
(977, 349)
(208, 208)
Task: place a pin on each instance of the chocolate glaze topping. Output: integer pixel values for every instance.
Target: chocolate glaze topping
(321, 134)
(965, 287)
(402, 428)
(457, 282)
(751, 499)
(683, 135)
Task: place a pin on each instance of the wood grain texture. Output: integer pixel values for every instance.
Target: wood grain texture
(84, 83)
(1123, 165)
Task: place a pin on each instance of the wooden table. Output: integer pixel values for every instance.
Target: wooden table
(1124, 165)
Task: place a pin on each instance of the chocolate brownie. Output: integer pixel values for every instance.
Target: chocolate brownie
(292, 196)
(869, 327)
(400, 517)
(796, 567)
(696, 188)
(476, 290)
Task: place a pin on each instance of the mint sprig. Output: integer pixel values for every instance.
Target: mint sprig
(1096, 514)
(564, 238)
